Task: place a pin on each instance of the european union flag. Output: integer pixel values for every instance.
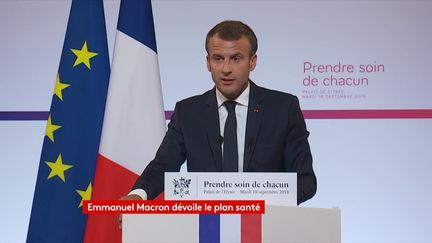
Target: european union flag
(73, 130)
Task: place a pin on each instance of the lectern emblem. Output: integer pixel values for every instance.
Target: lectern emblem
(181, 186)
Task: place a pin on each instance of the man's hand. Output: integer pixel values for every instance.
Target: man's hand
(128, 197)
(131, 197)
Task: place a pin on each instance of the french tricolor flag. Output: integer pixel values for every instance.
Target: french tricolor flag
(209, 228)
(134, 122)
(230, 228)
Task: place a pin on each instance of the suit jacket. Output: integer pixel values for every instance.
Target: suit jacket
(275, 140)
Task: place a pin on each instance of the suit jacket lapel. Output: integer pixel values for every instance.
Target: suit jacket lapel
(254, 116)
(213, 128)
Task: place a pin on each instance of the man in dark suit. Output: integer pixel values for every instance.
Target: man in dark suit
(236, 126)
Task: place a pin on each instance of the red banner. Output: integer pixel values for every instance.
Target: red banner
(174, 207)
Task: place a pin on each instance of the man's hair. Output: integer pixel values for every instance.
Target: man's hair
(232, 30)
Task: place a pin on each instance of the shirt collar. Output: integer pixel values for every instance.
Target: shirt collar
(242, 100)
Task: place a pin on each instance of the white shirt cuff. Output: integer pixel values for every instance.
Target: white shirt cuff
(139, 192)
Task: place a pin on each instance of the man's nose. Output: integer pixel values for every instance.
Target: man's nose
(226, 67)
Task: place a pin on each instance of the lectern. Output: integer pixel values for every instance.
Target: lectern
(279, 224)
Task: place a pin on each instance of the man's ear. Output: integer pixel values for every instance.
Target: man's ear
(208, 63)
(253, 62)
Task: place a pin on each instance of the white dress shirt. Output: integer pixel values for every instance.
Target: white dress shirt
(241, 115)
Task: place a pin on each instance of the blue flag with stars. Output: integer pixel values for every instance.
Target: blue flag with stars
(73, 129)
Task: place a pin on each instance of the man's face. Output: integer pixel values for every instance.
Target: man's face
(230, 64)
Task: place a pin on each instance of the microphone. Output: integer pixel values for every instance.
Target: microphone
(219, 140)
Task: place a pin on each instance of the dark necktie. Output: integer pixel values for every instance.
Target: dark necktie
(230, 155)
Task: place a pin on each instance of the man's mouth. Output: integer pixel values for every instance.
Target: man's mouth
(227, 81)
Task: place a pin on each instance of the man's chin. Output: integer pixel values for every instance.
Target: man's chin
(230, 94)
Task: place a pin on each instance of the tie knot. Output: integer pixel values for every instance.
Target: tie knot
(230, 105)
